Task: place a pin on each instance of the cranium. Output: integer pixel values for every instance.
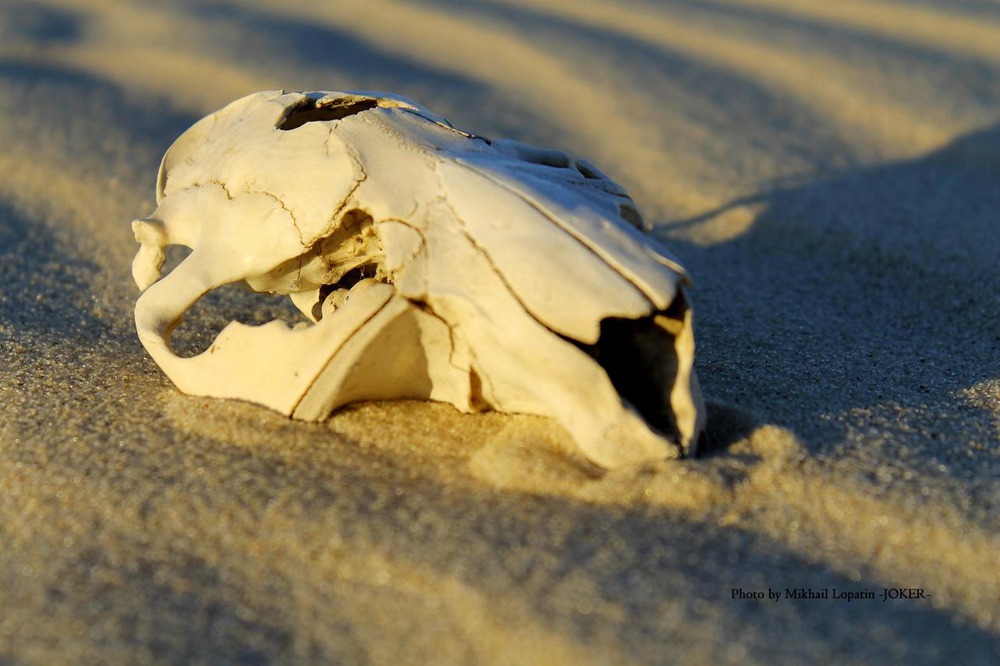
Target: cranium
(430, 263)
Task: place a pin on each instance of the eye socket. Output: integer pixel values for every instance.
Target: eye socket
(310, 112)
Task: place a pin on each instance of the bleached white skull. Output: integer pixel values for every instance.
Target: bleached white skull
(434, 264)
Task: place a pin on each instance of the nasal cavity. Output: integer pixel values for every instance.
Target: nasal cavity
(309, 111)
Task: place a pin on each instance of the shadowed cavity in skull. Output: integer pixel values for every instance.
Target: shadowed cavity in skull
(319, 280)
(641, 359)
(310, 111)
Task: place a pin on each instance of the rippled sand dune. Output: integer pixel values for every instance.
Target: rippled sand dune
(829, 173)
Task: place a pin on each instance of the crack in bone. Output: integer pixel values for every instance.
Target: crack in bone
(347, 200)
(425, 307)
(329, 136)
(215, 181)
(443, 199)
(419, 231)
(281, 204)
(410, 265)
(576, 234)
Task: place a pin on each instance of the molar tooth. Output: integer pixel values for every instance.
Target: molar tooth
(364, 284)
(337, 298)
(334, 300)
(340, 297)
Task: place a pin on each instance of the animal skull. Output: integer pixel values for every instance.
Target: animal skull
(432, 263)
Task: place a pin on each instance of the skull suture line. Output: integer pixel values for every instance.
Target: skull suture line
(434, 264)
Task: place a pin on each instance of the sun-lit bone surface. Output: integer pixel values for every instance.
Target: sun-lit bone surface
(430, 263)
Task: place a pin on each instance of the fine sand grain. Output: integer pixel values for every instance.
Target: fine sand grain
(829, 173)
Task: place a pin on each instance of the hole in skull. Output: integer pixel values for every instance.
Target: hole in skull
(310, 111)
(640, 359)
(232, 302)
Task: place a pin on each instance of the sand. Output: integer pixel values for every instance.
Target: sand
(828, 172)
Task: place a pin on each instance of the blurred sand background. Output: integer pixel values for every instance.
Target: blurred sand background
(829, 173)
